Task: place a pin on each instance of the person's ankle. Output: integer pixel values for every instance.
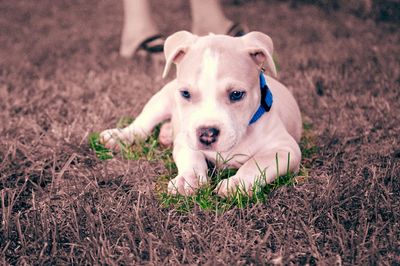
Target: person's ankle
(132, 38)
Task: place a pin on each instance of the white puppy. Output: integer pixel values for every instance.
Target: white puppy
(219, 105)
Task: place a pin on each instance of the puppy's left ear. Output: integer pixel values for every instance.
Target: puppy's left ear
(175, 48)
(260, 48)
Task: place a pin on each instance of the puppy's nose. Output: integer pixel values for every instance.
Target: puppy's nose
(207, 135)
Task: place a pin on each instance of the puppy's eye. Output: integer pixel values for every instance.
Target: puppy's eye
(185, 94)
(236, 96)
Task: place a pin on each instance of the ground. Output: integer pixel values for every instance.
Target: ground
(61, 78)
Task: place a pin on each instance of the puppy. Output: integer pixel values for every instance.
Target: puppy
(221, 104)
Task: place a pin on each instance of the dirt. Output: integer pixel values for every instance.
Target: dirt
(61, 78)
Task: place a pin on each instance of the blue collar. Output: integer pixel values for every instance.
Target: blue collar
(266, 100)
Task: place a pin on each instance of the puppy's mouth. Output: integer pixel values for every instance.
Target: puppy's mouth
(203, 147)
(217, 147)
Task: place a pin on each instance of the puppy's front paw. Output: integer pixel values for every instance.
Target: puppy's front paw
(112, 138)
(186, 184)
(235, 184)
(227, 186)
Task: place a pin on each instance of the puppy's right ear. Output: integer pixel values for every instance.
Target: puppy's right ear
(175, 48)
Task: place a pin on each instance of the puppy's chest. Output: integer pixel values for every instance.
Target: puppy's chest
(234, 158)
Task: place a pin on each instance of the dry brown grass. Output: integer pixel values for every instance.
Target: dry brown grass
(61, 78)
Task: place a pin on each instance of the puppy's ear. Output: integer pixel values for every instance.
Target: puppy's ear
(260, 48)
(175, 48)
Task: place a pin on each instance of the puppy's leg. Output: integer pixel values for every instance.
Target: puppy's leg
(261, 170)
(192, 169)
(157, 109)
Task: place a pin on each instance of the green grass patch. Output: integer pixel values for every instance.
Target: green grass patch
(101, 152)
(206, 199)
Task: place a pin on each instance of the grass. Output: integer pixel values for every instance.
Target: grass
(60, 75)
(101, 152)
(205, 198)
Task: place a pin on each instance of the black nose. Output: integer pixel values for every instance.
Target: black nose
(207, 135)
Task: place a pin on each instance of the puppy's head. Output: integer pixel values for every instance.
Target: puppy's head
(218, 90)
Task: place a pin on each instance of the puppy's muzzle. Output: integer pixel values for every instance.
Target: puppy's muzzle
(207, 135)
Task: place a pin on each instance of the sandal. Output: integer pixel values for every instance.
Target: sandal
(153, 44)
(237, 30)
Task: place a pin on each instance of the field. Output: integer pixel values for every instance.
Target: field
(61, 79)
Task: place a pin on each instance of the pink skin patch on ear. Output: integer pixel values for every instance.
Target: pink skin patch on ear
(178, 57)
(259, 57)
